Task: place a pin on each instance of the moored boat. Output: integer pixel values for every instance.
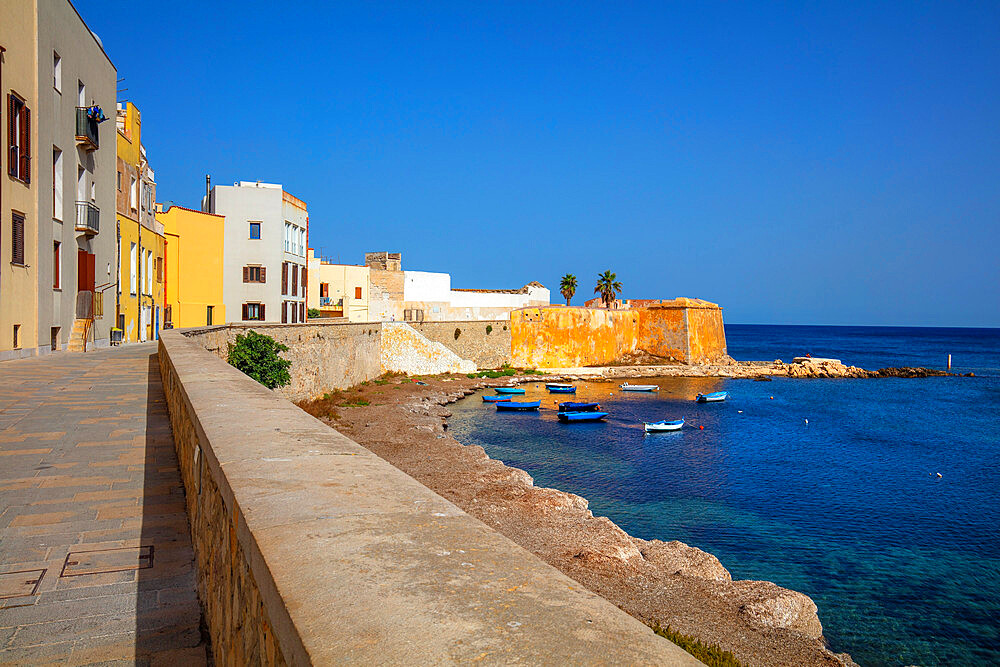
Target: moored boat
(663, 425)
(712, 397)
(639, 387)
(581, 416)
(508, 390)
(557, 388)
(512, 406)
(493, 399)
(579, 407)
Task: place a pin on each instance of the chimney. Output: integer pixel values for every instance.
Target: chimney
(208, 185)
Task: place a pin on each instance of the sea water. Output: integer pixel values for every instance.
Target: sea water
(880, 499)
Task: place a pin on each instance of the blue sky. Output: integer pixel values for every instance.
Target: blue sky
(833, 163)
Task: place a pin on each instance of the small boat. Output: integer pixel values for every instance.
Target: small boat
(508, 390)
(713, 397)
(581, 416)
(560, 388)
(511, 406)
(579, 407)
(639, 387)
(663, 425)
(494, 399)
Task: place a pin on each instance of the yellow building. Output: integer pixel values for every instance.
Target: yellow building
(193, 267)
(141, 243)
(338, 290)
(18, 189)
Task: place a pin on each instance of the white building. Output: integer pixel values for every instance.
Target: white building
(264, 257)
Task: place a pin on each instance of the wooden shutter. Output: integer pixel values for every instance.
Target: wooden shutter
(12, 156)
(284, 277)
(246, 308)
(246, 275)
(302, 311)
(304, 283)
(261, 316)
(17, 238)
(25, 144)
(357, 292)
(295, 279)
(284, 312)
(263, 274)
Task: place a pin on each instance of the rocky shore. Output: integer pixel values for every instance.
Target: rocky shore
(665, 583)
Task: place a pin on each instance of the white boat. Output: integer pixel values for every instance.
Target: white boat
(713, 397)
(664, 425)
(639, 387)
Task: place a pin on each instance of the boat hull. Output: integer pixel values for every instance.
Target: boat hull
(714, 397)
(561, 390)
(581, 416)
(512, 406)
(579, 407)
(508, 390)
(663, 426)
(639, 387)
(495, 399)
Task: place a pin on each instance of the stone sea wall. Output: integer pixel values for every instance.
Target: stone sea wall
(404, 350)
(313, 550)
(486, 343)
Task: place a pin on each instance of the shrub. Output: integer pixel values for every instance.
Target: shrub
(257, 355)
(313, 312)
(489, 329)
(711, 655)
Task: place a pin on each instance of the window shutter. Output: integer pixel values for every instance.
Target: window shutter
(263, 274)
(284, 312)
(246, 274)
(295, 279)
(12, 156)
(261, 312)
(17, 238)
(304, 283)
(302, 311)
(284, 277)
(245, 309)
(25, 144)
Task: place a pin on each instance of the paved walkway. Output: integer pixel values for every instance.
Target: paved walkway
(96, 563)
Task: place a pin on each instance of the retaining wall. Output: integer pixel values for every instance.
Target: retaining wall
(311, 549)
(489, 349)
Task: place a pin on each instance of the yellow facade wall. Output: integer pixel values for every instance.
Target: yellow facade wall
(20, 282)
(194, 245)
(141, 296)
(680, 331)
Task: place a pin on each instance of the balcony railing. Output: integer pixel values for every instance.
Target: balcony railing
(325, 301)
(88, 217)
(86, 130)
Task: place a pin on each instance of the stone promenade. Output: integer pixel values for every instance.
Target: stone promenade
(96, 563)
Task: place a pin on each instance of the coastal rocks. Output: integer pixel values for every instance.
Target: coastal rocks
(772, 606)
(910, 372)
(605, 541)
(680, 559)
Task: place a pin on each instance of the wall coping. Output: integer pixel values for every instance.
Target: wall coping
(356, 561)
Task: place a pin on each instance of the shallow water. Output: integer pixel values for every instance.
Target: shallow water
(847, 508)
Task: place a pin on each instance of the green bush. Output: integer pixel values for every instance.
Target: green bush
(313, 312)
(258, 356)
(713, 656)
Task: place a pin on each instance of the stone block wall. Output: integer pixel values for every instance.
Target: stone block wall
(486, 343)
(404, 350)
(323, 356)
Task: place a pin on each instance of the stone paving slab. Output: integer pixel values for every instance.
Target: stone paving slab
(87, 463)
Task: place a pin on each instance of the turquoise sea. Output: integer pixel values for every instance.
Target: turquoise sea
(848, 508)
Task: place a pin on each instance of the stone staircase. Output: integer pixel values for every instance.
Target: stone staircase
(78, 336)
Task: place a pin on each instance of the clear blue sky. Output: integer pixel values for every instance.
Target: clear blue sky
(831, 164)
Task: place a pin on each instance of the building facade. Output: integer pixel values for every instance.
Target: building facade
(339, 290)
(61, 156)
(139, 298)
(193, 273)
(265, 275)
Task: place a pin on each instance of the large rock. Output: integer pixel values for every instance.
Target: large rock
(772, 606)
(677, 558)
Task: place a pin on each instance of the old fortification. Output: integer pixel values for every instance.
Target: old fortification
(687, 331)
(313, 550)
(486, 343)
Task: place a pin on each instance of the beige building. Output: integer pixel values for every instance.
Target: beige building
(57, 85)
(339, 290)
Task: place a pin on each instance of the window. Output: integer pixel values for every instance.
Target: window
(133, 265)
(81, 94)
(56, 75)
(302, 241)
(208, 315)
(254, 274)
(324, 290)
(133, 193)
(302, 311)
(255, 230)
(295, 312)
(253, 311)
(55, 264)
(149, 272)
(18, 139)
(288, 237)
(119, 182)
(357, 292)
(284, 312)
(17, 332)
(17, 238)
(57, 184)
(159, 269)
(304, 282)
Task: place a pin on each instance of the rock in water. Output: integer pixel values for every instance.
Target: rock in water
(772, 606)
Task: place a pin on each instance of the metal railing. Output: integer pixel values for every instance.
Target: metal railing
(86, 128)
(88, 217)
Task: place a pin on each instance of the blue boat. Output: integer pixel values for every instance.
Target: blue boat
(560, 388)
(713, 397)
(579, 407)
(511, 406)
(581, 416)
(493, 399)
(508, 390)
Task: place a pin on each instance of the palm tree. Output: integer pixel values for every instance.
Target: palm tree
(568, 287)
(608, 287)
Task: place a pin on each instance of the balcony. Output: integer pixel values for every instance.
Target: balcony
(86, 130)
(325, 301)
(88, 218)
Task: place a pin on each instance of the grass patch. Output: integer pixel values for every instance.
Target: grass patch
(507, 372)
(711, 655)
(359, 403)
(533, 371)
